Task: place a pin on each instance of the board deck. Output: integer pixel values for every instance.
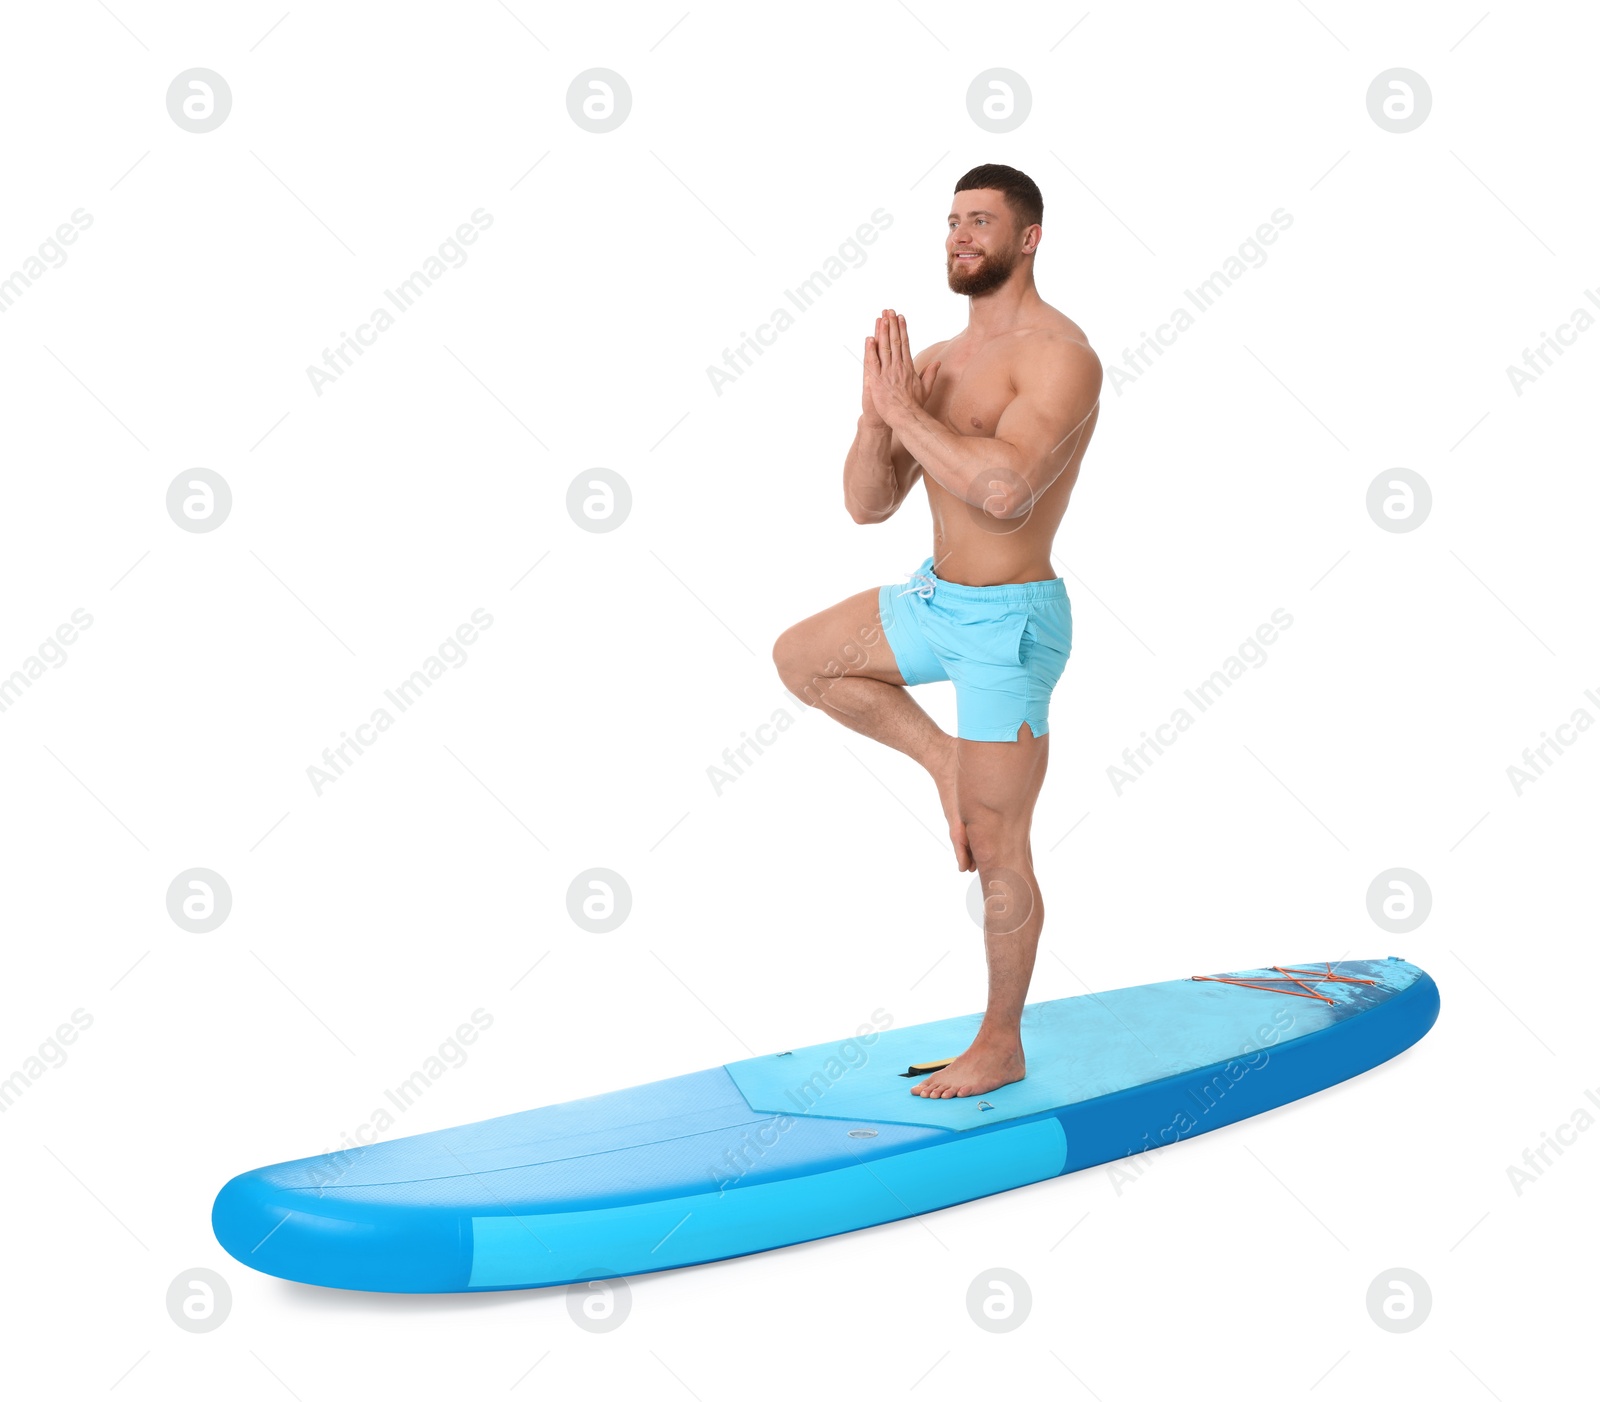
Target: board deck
(797, 1145)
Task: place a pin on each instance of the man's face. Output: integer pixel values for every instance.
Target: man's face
(983, 245)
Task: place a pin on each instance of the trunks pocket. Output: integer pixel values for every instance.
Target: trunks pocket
(1049, 628)
(995, 640)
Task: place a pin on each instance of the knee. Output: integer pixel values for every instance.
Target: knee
(994, 839)
(789, 657)
(1011, 896)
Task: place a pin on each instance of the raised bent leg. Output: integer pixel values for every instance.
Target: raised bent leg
(999, 782)
(839, 660)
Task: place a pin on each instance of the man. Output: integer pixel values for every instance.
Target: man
(994, 422)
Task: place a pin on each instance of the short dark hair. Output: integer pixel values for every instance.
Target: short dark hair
(1022, 195)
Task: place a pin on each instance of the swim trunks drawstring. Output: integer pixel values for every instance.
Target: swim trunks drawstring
(924, 589)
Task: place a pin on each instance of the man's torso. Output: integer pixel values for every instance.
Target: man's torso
(973, 387)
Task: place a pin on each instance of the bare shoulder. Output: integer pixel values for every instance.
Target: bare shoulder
(1056, 356)
(930, 353)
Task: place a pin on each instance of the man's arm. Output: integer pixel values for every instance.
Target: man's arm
(879, 470)
(1058, 387)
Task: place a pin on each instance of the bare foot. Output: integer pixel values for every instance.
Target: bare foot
(944, 775)
(983, 1067)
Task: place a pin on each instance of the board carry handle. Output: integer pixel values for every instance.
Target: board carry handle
(926, 1068)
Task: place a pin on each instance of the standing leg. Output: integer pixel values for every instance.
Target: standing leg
(999, 782)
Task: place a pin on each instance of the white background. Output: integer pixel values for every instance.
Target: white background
(369, 522)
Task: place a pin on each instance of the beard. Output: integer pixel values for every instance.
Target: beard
(992, 269)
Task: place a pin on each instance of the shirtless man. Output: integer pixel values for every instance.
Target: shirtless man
(994, 422)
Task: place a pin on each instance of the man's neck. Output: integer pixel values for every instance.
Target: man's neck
(1002, 309)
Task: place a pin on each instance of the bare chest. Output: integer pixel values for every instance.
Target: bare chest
(971, 393)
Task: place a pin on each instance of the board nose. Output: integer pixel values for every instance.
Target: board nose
(341, 1239)
(245, 1214)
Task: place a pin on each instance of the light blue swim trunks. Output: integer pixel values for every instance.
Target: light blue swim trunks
(1003, 645)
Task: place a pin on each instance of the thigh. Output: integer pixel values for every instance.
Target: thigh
(998, 782)
(844, 640)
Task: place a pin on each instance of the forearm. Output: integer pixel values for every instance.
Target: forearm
(869, 480)
(982, 471)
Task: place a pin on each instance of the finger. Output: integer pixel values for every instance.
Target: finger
(897, 334)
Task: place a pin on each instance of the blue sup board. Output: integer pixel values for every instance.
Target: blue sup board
(808, 1143)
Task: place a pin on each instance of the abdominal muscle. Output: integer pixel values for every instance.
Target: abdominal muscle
(972, 547)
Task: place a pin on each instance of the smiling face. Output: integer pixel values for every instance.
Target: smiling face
(984, 244)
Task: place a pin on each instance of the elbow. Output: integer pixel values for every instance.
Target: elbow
(1010, 498)
(865, 516)
(1007, 485)
(1004, 506)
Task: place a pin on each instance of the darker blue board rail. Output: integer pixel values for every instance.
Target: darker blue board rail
(1154, 1115)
